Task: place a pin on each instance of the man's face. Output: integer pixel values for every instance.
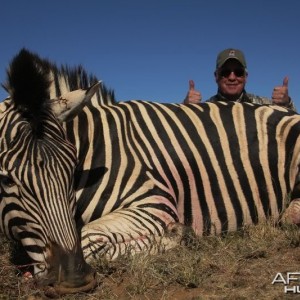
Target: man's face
(231, 79)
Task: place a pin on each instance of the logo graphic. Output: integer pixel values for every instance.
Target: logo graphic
(232, 53)
(291, 282)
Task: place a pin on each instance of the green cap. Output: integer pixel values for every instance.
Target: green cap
(230, 54)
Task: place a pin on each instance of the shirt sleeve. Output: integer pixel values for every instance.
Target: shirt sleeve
(265, 100)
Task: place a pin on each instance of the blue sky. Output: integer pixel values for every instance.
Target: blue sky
(150, 49)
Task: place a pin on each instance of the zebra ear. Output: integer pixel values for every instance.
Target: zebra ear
(69, 105)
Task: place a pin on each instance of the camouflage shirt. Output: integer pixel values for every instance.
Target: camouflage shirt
(246, 97)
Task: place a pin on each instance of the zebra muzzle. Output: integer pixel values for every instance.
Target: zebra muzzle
(68, 273)
(63, 288)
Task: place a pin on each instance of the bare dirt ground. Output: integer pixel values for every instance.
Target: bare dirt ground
(241, 265)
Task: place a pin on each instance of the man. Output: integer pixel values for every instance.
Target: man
(231, 77)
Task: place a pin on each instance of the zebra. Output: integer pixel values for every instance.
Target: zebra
(35, 149)
(144, 171)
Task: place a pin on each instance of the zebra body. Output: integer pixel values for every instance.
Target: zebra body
(215, 167)
(142, 168)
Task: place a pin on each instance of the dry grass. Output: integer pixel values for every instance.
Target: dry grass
(240, 265)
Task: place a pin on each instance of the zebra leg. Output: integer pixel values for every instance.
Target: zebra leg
(292, 213)
(130, 231)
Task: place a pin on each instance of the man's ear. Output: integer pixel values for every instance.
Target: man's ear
(246, 75)
(216, 75)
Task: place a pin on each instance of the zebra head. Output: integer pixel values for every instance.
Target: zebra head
(37, 165)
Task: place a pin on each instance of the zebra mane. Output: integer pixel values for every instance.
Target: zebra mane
(28, 82)
(31, 79)
(28, 85)
(66, 79)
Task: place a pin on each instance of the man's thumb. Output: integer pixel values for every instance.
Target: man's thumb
(285, 81)
(191, 85)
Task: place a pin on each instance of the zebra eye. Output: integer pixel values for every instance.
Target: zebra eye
(7, 181)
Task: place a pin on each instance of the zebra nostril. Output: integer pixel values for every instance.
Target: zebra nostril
(41, 267)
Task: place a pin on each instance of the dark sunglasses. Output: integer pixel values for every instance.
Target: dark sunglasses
(239, 72)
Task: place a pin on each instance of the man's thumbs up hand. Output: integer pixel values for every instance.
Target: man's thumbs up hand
(192, 96)
(280, 95)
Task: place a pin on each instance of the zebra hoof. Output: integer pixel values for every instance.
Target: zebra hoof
(292, 213)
